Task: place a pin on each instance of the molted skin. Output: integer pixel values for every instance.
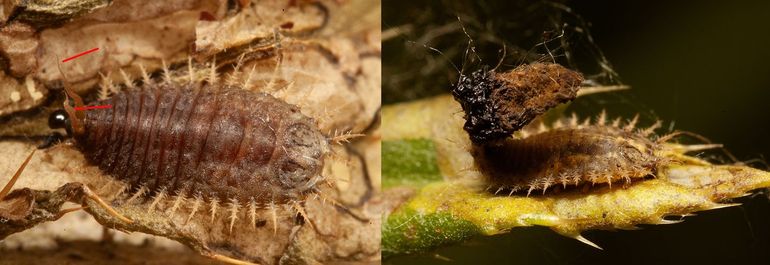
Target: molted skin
(568, 156)
(225, 144)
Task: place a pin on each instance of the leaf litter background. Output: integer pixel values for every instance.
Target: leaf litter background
(330, 68)
(701, 66)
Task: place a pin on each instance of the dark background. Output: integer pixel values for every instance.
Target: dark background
(701, 66)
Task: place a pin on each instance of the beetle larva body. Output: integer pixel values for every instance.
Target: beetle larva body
(572, 155)
(229, 144)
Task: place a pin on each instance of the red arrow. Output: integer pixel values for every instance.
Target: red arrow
(94, 107)
(80, 54)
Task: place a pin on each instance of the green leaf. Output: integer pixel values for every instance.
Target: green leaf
(409, 162)
(409, 231)
(452, 210)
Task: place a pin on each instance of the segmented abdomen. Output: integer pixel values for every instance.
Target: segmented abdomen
(227, 144)
(567, 156)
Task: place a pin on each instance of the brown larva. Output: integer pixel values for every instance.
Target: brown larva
(214, 142)
(498, 104)
(229, 143)
(570, 155)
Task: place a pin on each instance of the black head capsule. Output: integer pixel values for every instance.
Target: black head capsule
(57, 120)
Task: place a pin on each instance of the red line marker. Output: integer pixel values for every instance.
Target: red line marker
(94, 107)
(80, 54)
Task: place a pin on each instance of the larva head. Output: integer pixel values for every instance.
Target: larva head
(67, 119)
(59, 119)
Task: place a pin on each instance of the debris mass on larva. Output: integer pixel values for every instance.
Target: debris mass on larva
(497, 104)
(572, 153)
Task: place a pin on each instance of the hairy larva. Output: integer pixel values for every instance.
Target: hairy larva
(216, 143)
(570, 155)
(228, 143)
(498, 104)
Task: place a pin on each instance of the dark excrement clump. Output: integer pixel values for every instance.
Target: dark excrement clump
(473, 92)
(498, 104)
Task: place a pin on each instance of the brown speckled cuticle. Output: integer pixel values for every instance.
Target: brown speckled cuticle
(221, 143)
